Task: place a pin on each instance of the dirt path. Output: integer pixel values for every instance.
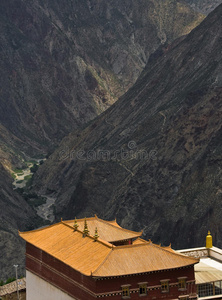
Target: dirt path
(46, 210)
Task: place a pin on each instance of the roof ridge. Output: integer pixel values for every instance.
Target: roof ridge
(90, 236)
(114, 222)
(174, 253)
(100, 265)
(132, 245)
(150, 243)
(82, 219)
(109, 224)
(119, 228)
(139, 239)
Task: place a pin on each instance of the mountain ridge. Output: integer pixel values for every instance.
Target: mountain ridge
(173, 114)
(203, 6)
(61, 67)
(46, 63)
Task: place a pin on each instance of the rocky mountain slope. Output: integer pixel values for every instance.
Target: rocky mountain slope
(63, 63)
(153, 159)
(203, 6)
(15, 214)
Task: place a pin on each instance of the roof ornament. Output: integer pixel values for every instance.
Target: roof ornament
(209, 240)
(75, 226)
(85, 230)
(96, 235)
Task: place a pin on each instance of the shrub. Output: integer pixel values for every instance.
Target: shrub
(34, 168)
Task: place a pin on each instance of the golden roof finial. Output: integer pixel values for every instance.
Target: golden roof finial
(96, 235)
(209, 240)
(75, 225)
(85, 230)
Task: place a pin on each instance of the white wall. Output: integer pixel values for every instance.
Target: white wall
(216, 253)
(39, 289)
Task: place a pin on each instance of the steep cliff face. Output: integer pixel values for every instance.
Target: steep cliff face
(15, 214)
(203, 6)
(63, 63)
(153, 159)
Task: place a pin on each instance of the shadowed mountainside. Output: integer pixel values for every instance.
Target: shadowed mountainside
(15, 214)
(63, 63)
(153, 159)
(203, 6)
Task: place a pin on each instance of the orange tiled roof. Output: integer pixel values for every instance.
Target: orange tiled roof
(69, 246)
(100, 258)
(108, 231)
(141, 258)
(139, 241)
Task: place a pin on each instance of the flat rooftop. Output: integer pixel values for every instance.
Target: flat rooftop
(208, 272)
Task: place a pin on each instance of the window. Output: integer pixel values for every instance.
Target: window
(210, 289)
(183, 297)
(142, 289)
(125, 292)
(182, 283)
(164, 285)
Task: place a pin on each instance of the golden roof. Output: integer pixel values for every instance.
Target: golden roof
(108, 231)
(139, 241)
(100, 258)
(141, 258)
(69, 246)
